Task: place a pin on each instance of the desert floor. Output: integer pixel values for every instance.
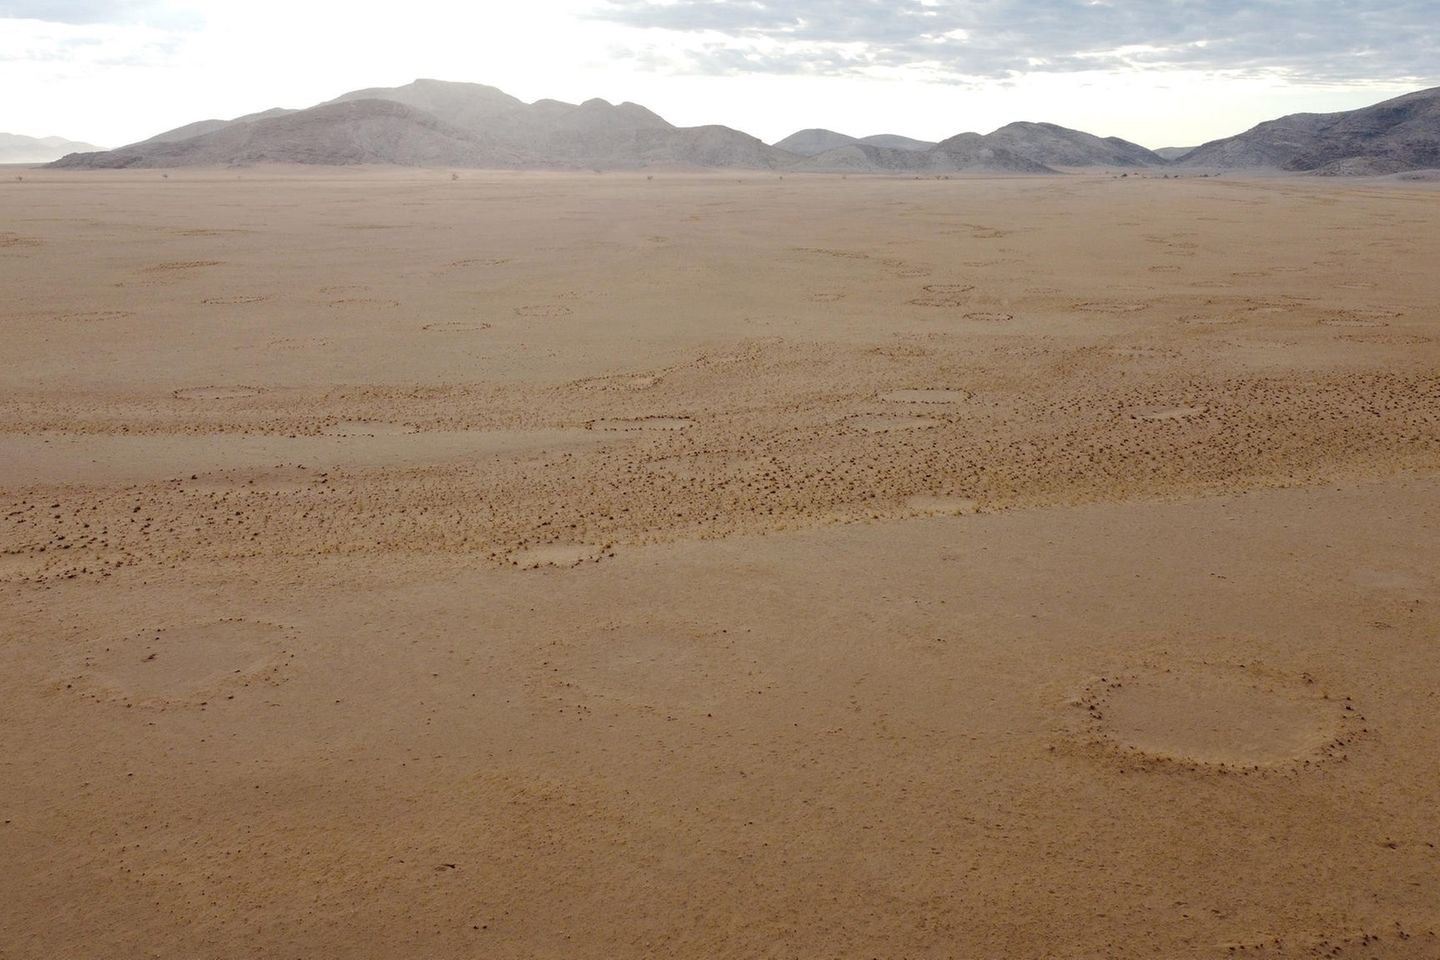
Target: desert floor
(534, 565)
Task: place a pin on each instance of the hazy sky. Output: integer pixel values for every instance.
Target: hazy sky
(1160, 72)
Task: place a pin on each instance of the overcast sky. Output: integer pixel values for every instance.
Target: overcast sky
(1159, 72)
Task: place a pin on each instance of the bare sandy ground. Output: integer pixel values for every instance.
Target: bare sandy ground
(590, 566)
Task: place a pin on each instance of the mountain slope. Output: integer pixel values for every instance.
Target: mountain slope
(467, 106)
(357, 131)
(859, 157)
(437, 123)
(973, 152)
(1015, 148)
(1172, 153)
(894, 141)
(595, 133)
(816, 140)
(1396, 135)
(201, 127)
(16, 148)
(966, 153)
(1056, 146)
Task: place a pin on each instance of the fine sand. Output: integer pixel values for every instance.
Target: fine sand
(540, 565)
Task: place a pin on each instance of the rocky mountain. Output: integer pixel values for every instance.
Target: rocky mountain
(1016, 148)
(15, 148)
(467, 106)
(1172, 153)
(859, 157)
(1055, 146)
(202, 127)
(815, 141)
(436, 123)
(971, 151)
(1397, 135)
(357, 131)
(894, 141)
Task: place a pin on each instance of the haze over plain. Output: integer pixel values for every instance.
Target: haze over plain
(666, 543)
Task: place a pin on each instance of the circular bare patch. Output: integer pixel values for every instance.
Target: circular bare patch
(297, 343)
(1388, 339)
(186, 664)
(869, 423)
(456, 326)
(94, 316)
(1143, 353)
(1112, 306)
(624, 382)
(1215, 716)
(233, 301)
(176, 265)
(926, 395)
(941, 506)
(366, 303)
(366, 428)
(543, 311)
(20, 567)
(626, 424)
(478, 262)
(236, 392)
(1210, 320)
(1350, 320)
(556, 555)
(261, 480)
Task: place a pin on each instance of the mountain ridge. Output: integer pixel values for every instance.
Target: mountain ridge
(19, 148)
(444, 123)
(1393, 136)
(817, 140)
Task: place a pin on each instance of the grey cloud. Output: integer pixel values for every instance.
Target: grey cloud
(1339, 40)
(70, 11)
(92, 12)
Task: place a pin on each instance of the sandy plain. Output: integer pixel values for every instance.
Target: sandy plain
(536, 565)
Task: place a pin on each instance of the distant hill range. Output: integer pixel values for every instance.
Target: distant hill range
(1173, 153)
(436, 123)
(808, 143)
(442, 124)
(1392, 137)
(1015, 148)
(15, 148)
